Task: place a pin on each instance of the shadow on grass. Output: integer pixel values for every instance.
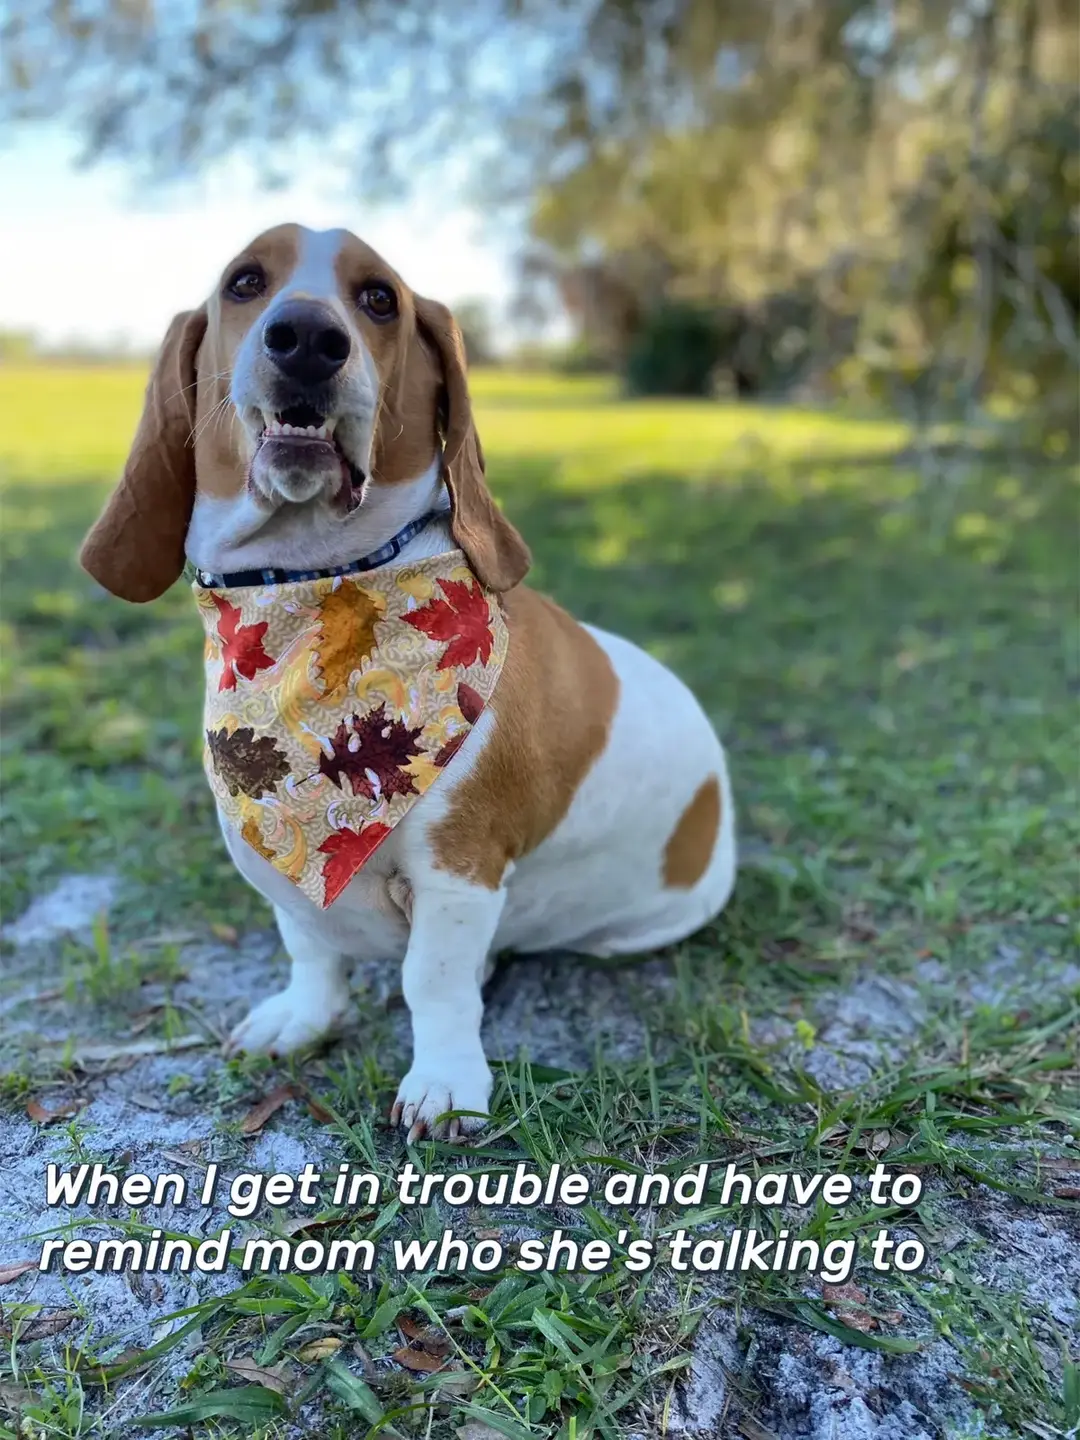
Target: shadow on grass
(884, 663)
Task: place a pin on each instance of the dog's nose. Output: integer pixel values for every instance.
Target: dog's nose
(306, 341)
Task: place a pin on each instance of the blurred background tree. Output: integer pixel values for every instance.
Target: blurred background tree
(873, 198)
(474, 317)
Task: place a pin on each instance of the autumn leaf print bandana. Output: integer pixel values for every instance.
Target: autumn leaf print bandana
(333, 704)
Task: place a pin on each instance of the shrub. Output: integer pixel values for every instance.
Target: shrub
(675, 352)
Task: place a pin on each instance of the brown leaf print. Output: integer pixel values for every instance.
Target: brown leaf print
(347, 636)
(446, 753)
(469, 703)
(244, 763)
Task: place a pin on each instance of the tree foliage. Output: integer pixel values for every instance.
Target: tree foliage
(900, 176)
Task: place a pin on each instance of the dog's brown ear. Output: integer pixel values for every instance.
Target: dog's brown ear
(136, 549)
(496, 551)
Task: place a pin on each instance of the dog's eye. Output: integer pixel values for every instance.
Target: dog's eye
(378, 301)
(247, 283)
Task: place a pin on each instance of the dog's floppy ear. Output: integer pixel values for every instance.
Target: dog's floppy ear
(496, 551)
(136, 549)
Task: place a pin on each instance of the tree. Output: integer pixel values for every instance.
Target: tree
(899, 175)
(474, 317)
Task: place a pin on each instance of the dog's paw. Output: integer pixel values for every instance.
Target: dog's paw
(286, 1022)
(428, 1091)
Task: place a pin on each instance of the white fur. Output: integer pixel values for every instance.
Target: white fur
(595, 884)
(356, 386)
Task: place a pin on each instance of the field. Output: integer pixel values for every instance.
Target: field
(890, 655)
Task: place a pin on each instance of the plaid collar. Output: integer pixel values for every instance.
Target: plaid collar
(385, 553)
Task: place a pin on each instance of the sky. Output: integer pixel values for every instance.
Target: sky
(97, 256)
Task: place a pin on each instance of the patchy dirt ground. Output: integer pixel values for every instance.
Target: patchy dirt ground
(178, 1105)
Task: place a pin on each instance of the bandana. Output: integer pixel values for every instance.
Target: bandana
(333, 704)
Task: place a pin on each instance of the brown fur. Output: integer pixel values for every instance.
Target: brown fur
(553, 706)
(189, 434)
(495, 549)
(221, 446)
(690, 845)
(136, 548)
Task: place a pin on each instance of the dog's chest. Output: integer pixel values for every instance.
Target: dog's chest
(365, 922)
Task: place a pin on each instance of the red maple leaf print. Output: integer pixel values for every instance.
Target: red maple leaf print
(348, 849)
(462, 618)
(242, 650)
(376, 744)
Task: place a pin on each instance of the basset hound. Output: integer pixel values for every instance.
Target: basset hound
(415, 757)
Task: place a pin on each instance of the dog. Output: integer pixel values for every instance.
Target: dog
(310, 426)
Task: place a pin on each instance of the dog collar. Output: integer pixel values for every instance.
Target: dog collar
(334, 703)
(382, 556)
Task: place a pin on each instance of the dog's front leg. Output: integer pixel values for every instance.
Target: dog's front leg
(315, 1000)
(453, 927)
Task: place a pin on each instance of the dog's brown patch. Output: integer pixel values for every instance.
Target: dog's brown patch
(221, 447)
(553, 708)
(690, 845)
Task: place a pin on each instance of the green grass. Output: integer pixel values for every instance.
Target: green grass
(892, 663)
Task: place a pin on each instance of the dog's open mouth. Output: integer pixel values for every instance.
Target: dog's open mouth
(307, 431)
(298, 422)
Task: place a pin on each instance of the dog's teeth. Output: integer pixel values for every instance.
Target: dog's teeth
(309, 432)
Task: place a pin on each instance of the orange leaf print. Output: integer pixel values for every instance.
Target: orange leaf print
(251, 832)
(347, 637)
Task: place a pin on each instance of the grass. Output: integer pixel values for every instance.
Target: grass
(892, 664)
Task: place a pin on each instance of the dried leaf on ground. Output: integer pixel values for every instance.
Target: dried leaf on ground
(320, 1349)
(184, 1153)
(426, 1336)
(456, 1380)
(83, 1055)
(144, 1019)
(318, 1111)
(40, 1116)
(415, 1357)
(41, 1326)
(142, 1100)
(848, 1300)
(277, 1377)
(8, 1273)
(325, 1222)
(13, 1398)
(258, 1115)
